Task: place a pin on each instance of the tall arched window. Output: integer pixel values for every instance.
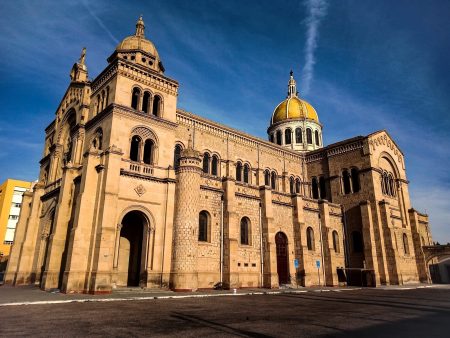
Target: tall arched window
(135, 98)
(239, 172)
(288, 136)
(316, 136)
(206, 163)
(383, 183)
(279, 137)
(322, 188)
(298, 186)
(391, 185)
(102, 104)
(291, 185)
(315, 188)
(355, 179)
(267, 178)
(386, 184)
(309, 136)
(357, 240)
(146, 102)
(271, 138)
(298, 135)
(97, 106)
(246, 173)
(273, 180)
(310, 239)
(245, 231)
(336, 242)
(346, 181)
(107, 97)
(204, 221)
(156, 105)
(177, 156)
(214, 165)
(135, 148)
(148, 151)
(405, 244)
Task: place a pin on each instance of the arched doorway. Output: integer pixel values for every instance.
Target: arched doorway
(132, 249)
(281, 242)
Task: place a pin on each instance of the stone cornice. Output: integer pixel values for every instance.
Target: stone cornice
(205, 125)
(140, 116)
(146, 178)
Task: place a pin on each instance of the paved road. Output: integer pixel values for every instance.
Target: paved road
(358, 313)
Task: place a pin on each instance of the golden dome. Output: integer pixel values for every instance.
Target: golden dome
(294, 107)
(138, 41)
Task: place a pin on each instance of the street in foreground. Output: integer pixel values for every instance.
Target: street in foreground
(416, 312)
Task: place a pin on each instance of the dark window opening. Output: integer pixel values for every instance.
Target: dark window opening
(287, 136)
(148, 151)
(134, 149)
(298, 135)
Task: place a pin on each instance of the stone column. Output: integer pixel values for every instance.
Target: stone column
(370, 248)
(388, 233)
(330, 273)
(417, 246)
(26, 231)
(299, 225)
(185, 228)
(230, 238)
(270, 274)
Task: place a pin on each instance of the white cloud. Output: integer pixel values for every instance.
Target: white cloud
(317, 9)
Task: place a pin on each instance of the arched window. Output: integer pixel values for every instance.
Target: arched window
(239, 172)
(355, 179)
(107, 97)
(309, 136)
(316, 136)
(156, 105)
(267, 178)
(146, 102)
(148, 151)
(245, 231)
(315, 188)
(246, 172)
(214, 165)
(288, 136)
(177, 156)
(135, 148)
(298, 186)
(383, 183)
(387, 185)
(135, 98)
(310, 239)
(97, 107)
(291, 185)
(206, 163)
(357, 240)
(322, 188)
(279, 137)
(405, 244)
(346, 182)
(204, 221)
(271, 138)
(336, 242)
(298, 135)
(97, 142)
(273, 180)
(391, 185)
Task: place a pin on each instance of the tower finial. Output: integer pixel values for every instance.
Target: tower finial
(140, 26)
(82, 56)
(292, 85)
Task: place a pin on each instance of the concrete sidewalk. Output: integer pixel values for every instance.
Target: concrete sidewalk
(29, 295)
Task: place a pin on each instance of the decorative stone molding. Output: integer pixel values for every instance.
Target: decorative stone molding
(140, 190)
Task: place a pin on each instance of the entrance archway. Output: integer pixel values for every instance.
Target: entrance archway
(132, 249)
(281, 242)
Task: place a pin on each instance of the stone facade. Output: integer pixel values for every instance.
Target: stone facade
(135, 192)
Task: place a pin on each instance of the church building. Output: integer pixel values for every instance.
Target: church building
(134, 191)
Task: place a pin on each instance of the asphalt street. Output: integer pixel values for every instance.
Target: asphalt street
(415, 312)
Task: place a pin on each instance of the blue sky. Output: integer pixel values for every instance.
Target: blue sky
(367, 65)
